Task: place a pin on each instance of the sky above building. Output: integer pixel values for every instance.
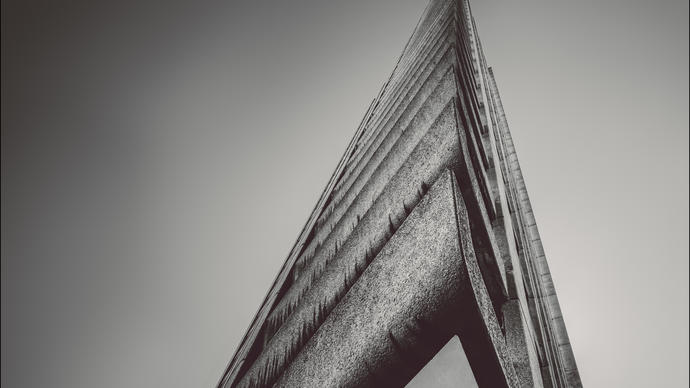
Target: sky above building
(160, 158)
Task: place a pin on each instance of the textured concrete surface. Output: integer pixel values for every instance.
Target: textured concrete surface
(404, 307)
(364, 199)
(436, 150)
(391, 152)
(480, 330)
(388, 132)
(417, 279)
(517, 337)
(423, 233)
(393, 121)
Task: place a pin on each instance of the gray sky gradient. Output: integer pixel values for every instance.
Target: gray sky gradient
(160, 158)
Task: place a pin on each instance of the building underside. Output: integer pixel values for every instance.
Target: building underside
(421, 264)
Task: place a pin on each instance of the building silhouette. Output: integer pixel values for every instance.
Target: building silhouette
(421, 263)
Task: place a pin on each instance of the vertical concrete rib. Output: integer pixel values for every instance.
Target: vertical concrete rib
(565, 352)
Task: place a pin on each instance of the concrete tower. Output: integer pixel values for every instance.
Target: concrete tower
(421, 263)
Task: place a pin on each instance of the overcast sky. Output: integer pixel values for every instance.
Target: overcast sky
(160, 158)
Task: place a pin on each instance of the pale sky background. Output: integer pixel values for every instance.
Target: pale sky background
(160, 158)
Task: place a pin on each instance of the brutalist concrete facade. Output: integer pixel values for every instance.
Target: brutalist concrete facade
(423, 233)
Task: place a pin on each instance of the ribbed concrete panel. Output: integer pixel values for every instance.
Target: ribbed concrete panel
(425, 119)
(436, 151)
(417, 265)
(427, 102)
(424, 232)
(390, 109)
(418, 278)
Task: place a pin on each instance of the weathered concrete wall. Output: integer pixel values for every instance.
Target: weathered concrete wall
(405, 306)
(339, 235)
(386, 271)
(436, 151)
(407, 130)
(387, 125)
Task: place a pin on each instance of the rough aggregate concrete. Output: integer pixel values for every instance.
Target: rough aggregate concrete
(369, 292)
(389, 112)
(362, 200)
(437, 150)
(417, 274)
(387, 134)
(408, 124)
